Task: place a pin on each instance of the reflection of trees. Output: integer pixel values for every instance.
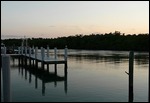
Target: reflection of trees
(115, 58)
(142, 59)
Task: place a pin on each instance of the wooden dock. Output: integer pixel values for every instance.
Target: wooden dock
(32, 59)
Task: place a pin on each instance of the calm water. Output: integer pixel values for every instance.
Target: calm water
(93, 76)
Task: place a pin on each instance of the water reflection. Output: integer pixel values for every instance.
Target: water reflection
(100, 81)
(44, 75)
(114, 58)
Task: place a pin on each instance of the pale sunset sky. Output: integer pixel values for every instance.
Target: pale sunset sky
(52, 19)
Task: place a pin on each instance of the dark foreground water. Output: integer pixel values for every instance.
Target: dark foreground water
(93, 76)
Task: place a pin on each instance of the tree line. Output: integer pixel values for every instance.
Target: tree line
(107, 41)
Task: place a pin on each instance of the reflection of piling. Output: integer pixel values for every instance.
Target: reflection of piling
(55, 69)
(30, 76)
(65, 82)
(43, 88)
(131, 63)
(36, 80)
(6, 78)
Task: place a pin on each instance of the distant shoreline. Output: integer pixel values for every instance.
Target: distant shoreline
(110, 41)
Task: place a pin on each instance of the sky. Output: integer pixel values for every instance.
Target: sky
(52, 19)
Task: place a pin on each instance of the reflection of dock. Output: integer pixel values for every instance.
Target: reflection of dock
(43, 75)
(30, 60)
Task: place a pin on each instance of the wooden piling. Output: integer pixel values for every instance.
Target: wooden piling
(65, 53)
(25, 51)
(131, 66)
(32, 50)
(65, 82)
(18, 50)
(55, 51)
(6, 78)
(29, 56)
(42, 56)
(36, 48)
(21, 50)
(36, 62)
(5, 49)
(47, 51)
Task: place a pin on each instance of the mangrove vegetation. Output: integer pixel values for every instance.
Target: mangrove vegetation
(107, 41)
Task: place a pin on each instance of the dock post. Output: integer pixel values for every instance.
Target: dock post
(5, 49)
(32, 49)
(30, 56)
(36, 48)
(131, 66)
(65, 57)
(19, 56)
(25, 56)
(65, 53)
(65, 82)
(55, 50)
(47, 51)
(29, 51)
(41, 51)
(47, 57)
(18, 50)
(36, 62)
(6, 78)
(19, 61)
(25, 51)
(42, 56)
(65, 75)
(21, 50)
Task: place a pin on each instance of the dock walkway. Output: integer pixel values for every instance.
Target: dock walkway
(42, 57)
